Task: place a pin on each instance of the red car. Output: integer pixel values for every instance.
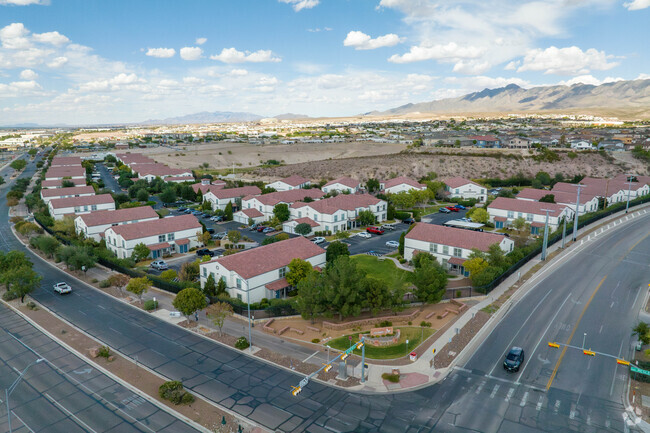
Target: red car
(453, 208)
(261, 228)
(375, 230)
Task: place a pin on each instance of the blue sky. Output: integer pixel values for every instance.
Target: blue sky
(93, 61)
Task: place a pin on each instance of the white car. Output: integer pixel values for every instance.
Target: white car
(364, 235)
(392, 244)
(318, 240)
(159, 264)
(62, 288)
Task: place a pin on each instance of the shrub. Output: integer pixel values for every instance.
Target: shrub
(394, 378)
(175, 393)
(459, 293)
(439, 317)
(315, 340)
(402, 260)
(242, 343)
(150, 305)
(31, 305)
(410, 323)
(385, 323)
(104, 352)
(104, 284)
(425, 324)
(10, 295)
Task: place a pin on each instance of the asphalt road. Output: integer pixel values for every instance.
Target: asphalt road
(109, 181)
(478, 398)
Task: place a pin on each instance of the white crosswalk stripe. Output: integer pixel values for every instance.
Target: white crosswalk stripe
(509, 395)
(540, 402)
(479, 388)
(523, 399)
(494, 391)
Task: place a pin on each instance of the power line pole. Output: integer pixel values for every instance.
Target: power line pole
(575, 222)
(545, 233)
(564, 232)
(629, 186)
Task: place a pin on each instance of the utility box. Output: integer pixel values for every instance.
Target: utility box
(413, 356)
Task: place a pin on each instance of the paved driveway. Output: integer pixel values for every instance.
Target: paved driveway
(109, 181)
(441, 218)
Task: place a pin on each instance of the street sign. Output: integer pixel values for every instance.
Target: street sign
(350, 338)
(639, 370)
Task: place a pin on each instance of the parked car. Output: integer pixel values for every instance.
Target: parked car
(187, 211)
(318, 240)
(268, 230)
(444, 210)
(460, 206)
(182, 209)
(453, 208)
(62, 288)
(364, 235)
(253, 227)
(375, 230)
(211, 231)
(514, 359)
(260, 228)
(467, 220)
(392, 244)
(216, 218)
(159, 264)
(388, 227)
(204, 252)
(409, 221)
(206, 215)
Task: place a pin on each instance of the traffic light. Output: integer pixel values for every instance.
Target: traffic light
(328, 367)
(589, 352)
(344, 356)
(359, 345)
(296, 390)
(622, 362)
(555, 345)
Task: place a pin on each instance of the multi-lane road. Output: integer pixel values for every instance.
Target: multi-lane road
(595, 289)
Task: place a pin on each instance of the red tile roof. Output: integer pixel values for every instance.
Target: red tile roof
(59, 203)
(306, 220)
(260, 260)
(103, 217)
(159, 246)
(183, 241)
(456, 182)
(347, 181)
(290, 196)
(252, 213)
(565, 197)
(453, 237)
(340, 202)
(277, 285)
(157, 227)
(59, 161)
(599, 187)
(204, 188)
(58, 182)
(456, 261)
(223, 193)
(294, 180)
(58, 192)
(65, 171)
(526, 206)
(402, 180)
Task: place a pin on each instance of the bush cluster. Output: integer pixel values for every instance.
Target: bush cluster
(150, 305)
(242, 343)
(175, 393)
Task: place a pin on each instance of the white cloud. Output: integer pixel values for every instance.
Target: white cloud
(193, 80)
(238, 72)
(636, 5)
(299, 5)
(118, 82)
(191, 53)
(566, 61)
(232, 55)
(362, 41)
(201, 41)
(471, 67)
(58, 62)
(449, 52)
(28, 75)
(643, 76)
(318, 29)
(161, 53)
(53, 38)
(511, 66)
(589, 79)
(24, 2)
(14, 37)
(26, 85)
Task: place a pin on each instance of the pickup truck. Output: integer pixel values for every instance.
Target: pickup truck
(204, 252)
(62, 288)
(375, 230)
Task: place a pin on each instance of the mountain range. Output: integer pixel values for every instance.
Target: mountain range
(219, 117)
(629, 96)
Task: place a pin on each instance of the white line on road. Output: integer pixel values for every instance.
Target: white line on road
(70, 414)
(115, 330)
(310, 356)
(103, 308)
(509, 395)
(520, 329)
(542, 336)
(523, 399)
(480, 387)
(601, 329)
(23, 422)
(494, 391)
(611, 388)
(540, 402)
(557, 406)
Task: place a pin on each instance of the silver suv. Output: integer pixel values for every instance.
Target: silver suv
(159, 264)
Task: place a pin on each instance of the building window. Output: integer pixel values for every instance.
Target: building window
(445, 250)
(239, 283)
(77, 209)
(336, 218)
(433, 248)
(457, 190)
(282, 272)
(93, 207)
(520, 215)
(161, 238)
(511, 214)
(170, 237)
(123, 246)
(529, 217)
(205, 272)
(458, 252)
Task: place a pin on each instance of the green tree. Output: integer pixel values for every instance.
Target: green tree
(168, 195)
(422, 258)
(298, 271)
(67, 183)
(543, 177)
(119, 280)
(548, 198)
(218, 312)
(140, 252)
(188, 301)
(480, 215)
(496, 257)
(519, 223)
(378, 294)
(372, 185)
(536, 183)
(138, 286)
(475, 266)
(189, 271)
(310, 301)
(335, 250)
(234, 236)
(210, 288)
(142, 195)
(21, 281)
(343, 290)
(642, 330)
(430, 281)
(18, 164)
(281, 212)
(366, 217)
(168, 275)
(402, 200)
(47, 244)
(402, 241)
(221, 287)
(303, 229)
(485, 277)
(227, 213)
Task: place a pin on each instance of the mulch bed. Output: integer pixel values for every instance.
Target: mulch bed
(460, 340)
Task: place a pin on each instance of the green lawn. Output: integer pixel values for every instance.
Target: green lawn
(413, 334)
(383, 270)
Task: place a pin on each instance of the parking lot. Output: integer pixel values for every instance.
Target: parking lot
(441, 218)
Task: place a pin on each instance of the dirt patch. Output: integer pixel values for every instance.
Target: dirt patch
(200, 411)
(451, 350)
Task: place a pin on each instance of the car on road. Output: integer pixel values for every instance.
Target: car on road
(467, 220)
(253, 227)
(388, 227)
(159, 264)
(216, 218)
(187, 211)
(268, 230)
(318, 240)
(261, 228)
(514, 359)
(392, 244)
(444, 210)
(460, 206)
(364, 235)
(182, 209)
(204, 252)
(206, 215)
(211, 231)
(220, 235)
(452, 208)
(408, 221)
(62, 288)
(375, 230)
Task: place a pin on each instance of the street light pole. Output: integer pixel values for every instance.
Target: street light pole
(575, 222)
(629, 186)
(564, 232)
(13, 386)
(584, 337)
(248, 302)
(545, 233)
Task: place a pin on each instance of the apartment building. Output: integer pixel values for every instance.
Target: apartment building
(61, 207)
(342, 185)
(289, 183)
(458, 187)
(503, 211)
(220, 197)
(266, 202)
(94, 224)
(400, 184)
(73, 191)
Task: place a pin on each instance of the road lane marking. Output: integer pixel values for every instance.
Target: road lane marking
(540, 402)
(70, 414)
(523, 399)
(81, 311)
(575, 328)
(520, 375)
(103, 308)
(310, 356)
(115, 330)
(494, 391)
(520, 329)
(601, 329)
(557, 406)
(23, 422)
(480, 387)
(509, 395)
